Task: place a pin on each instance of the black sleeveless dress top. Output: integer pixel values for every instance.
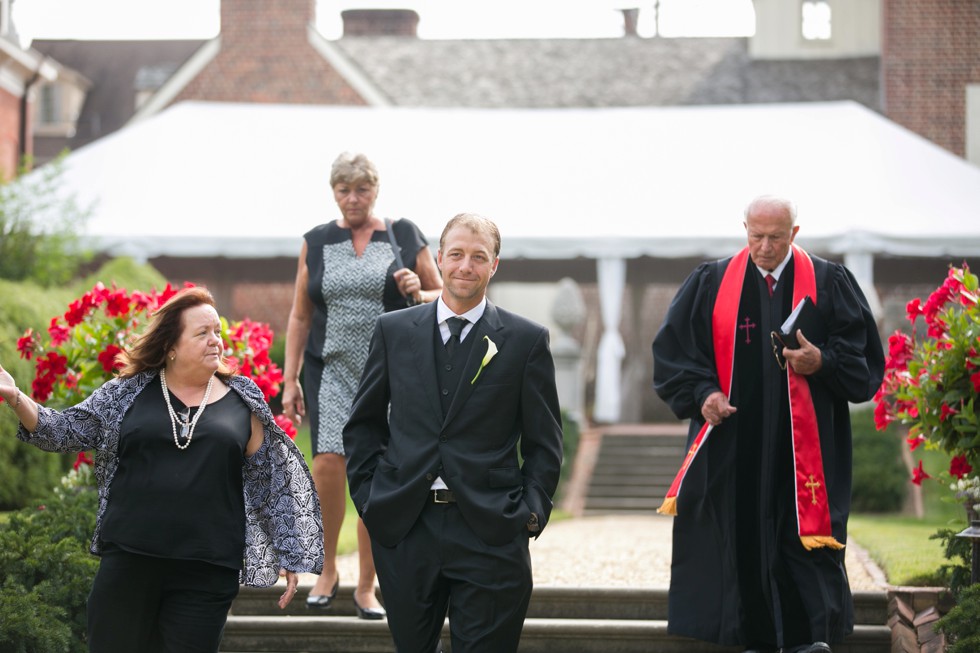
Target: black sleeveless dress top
(184, 504)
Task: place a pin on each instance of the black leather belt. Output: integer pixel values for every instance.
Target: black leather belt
(442, 496)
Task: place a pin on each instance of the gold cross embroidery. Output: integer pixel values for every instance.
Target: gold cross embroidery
(813, 485)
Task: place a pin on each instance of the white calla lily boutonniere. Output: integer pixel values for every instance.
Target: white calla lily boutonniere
(491, 352)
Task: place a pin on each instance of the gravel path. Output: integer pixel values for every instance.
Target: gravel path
(620, 551)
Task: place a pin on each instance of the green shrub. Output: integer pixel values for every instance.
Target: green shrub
(28, 472)
(956, 572)
(880, 480)
(46, 572)
(125, 273)
(962, 624)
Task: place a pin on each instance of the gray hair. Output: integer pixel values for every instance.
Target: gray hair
(774, 201)
(351, 168)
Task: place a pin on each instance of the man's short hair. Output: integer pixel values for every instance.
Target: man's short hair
(478, 225)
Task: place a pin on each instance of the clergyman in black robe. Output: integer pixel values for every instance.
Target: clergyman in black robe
(745, 569)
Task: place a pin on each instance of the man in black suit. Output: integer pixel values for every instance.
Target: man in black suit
(454, 448)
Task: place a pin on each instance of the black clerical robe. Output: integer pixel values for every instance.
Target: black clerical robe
(739, 574)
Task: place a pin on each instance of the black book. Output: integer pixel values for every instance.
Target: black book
(804, 317)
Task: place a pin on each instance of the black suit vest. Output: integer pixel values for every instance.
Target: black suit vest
(449, 370)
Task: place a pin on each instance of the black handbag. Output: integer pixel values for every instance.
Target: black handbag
(397, 251)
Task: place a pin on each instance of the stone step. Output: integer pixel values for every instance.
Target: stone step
(636, 468)
(610, 504)
(633, 471)
(611, 603)
(352, 635)
(634, 488)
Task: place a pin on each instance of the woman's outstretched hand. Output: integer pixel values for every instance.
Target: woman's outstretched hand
(8, 387)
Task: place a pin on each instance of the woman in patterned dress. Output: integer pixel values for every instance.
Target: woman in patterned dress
(199, 489)
(347, 276)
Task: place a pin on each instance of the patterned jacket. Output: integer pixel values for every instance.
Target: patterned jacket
(282, 513)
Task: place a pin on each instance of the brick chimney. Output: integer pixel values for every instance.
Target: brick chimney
(630, 18)
(380, 22)
(266, 56)
(267, 19)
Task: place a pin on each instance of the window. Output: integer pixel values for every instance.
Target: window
(816, 20)
(50, 105)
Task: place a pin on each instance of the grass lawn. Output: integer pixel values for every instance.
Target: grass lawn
(901, 544)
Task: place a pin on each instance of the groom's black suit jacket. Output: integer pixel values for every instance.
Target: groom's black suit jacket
(499, 447)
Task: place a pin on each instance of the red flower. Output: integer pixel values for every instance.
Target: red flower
(883, 414)
(59, 334)
(108, 358)
(958, 466)
(946, 412)
(975, 378)
(899, 351)
(141, 301)
(914, 309)
(83, 458)
(26, 345)
(96, 296)
(915, 441)
(41, 388)
(286, 425)
(76, 313)
(117, 303)
(266, 385)
(937, 329)
(919, 474)
(52, 363)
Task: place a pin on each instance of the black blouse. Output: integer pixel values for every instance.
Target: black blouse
(185, 504)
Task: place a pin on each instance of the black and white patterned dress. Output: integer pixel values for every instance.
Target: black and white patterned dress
(348, 292)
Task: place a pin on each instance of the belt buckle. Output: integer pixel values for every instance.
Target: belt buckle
(436, 495)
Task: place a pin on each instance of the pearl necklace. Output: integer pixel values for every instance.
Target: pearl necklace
(184, 431)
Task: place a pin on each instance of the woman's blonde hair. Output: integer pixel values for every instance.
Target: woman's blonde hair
(351, 168)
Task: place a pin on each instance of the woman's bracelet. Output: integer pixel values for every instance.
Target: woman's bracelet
(15, 405)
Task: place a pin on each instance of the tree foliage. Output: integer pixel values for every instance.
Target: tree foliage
(39, 229)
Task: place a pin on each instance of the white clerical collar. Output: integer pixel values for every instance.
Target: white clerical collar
(471, 316)
(779, 268)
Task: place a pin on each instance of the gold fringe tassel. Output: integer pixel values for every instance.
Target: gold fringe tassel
(668, 507)
(811, 542)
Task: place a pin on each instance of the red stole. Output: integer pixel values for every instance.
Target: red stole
(812, 510)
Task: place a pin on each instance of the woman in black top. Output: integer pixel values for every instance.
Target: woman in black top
(198, 488)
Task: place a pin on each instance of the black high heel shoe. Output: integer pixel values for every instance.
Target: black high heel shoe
(371, 614)
(323, 601)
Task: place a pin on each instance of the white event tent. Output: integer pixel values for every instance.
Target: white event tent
(247, 180)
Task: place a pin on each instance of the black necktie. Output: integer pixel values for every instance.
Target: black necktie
(455, 325)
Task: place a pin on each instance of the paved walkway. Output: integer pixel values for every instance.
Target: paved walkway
(620, 551)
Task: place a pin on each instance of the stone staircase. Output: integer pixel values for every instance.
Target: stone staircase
(634, 467)
(560, 620)
(618, 470)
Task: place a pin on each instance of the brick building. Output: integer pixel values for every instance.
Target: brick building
(930, 67)
(21, 72)
(268, 52)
